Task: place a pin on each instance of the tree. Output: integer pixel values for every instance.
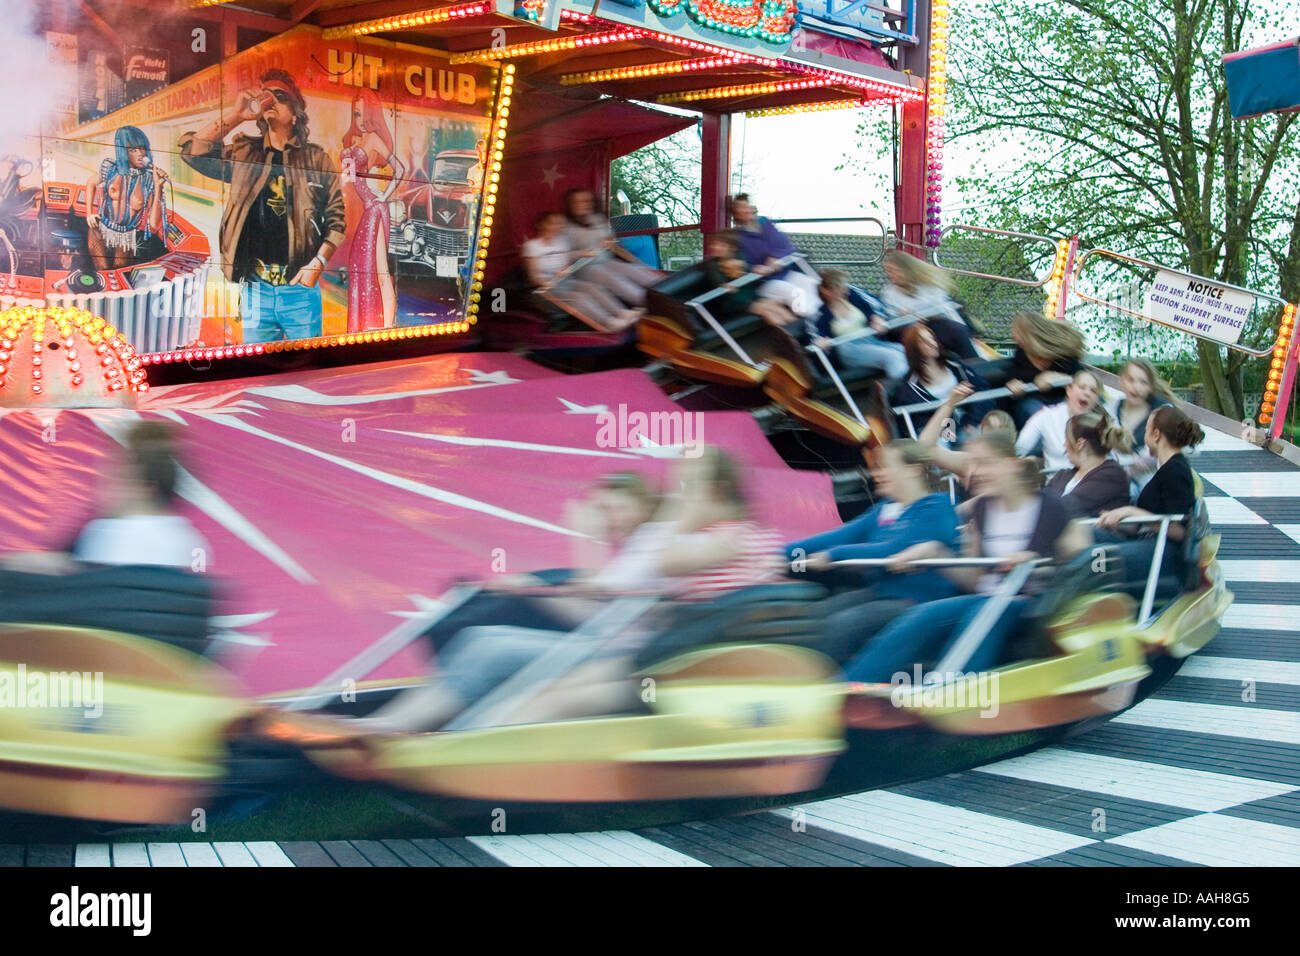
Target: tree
(1117, 112)
(664, 178)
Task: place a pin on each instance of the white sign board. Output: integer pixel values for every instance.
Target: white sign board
(1206, 309)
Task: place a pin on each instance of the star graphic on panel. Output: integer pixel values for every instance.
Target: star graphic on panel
(551, 175)
(228, 628)
(423, 606)
(480, 377)
(652, 449)
(573, 408)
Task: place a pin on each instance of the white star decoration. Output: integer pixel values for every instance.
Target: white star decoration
(573, 408)
(423, 606)
(551, 175)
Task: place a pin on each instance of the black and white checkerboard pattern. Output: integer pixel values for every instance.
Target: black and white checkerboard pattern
(1205, 773)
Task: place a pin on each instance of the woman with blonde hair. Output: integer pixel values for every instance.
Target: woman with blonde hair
(1046, 350)
(915, 290)
(1046, 429)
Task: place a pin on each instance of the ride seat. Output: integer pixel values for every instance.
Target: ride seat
(788, 612)
(1058, 586)
(160, 603)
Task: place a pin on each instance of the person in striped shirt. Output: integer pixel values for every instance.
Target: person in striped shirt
(708, 544)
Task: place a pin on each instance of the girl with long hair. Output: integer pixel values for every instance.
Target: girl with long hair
(609, 264)
(933, 373)
(909, 513)
(126, 209)
(368, 145)
(917, 291)
(1046, 350)
(1142, 392)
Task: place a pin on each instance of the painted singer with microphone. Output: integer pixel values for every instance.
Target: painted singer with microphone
(284, 215)
(126, 206)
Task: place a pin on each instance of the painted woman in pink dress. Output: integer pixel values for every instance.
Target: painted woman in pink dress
(368, 145)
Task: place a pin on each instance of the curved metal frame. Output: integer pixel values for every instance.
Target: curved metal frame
(996, 232)
(1083, 260)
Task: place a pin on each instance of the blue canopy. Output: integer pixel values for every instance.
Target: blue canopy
(1264, 80)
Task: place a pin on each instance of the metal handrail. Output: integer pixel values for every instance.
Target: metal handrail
(726, 288)
(1038, 284)
(382, 650)
(989, 393)
(1146, 263)
(570, 650)
(977, 630)
(1153, 574)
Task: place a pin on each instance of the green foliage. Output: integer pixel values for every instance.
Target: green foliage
(1109, 119)
(662, 178)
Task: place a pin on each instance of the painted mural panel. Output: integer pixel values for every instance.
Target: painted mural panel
(301, 188)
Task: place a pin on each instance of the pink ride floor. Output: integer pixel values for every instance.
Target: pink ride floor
(339, 502)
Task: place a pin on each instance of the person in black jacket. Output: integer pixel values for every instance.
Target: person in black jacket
(933, 374)
(1043, 346)
(1172, 489)
(1096, 483)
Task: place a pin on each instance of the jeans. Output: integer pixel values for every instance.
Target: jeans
(274, 312)
(887, 357)
(927, 632)
(480, 659)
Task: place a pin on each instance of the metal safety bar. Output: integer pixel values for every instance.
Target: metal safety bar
(1145, 263)
(1153, 574)
(982, 230)
(383, 649)
(970, 639)
(726, 288)
(569, 650)
(839, 384)
(544, 292)
(989, 393)
(875, 260)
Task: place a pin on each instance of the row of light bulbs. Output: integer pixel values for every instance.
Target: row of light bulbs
(749, 89)
(937, 96)
(491, 185)
(806, 108)
(1052, 306)
(406, 21)
(648, 70)
(1277, 367)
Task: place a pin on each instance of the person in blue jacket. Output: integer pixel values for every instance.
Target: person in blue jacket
(910, 514)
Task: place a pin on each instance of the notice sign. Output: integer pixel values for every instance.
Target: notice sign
(1206, 309)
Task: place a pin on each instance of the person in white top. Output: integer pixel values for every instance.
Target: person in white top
(612, 267)
(915, 290)
(1045, 430)
(549, 254)
(142, 526)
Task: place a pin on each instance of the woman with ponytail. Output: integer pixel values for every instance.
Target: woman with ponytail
(1096, 483)
(1172, 489)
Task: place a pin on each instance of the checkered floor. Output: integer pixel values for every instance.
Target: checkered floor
(1205, 773)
